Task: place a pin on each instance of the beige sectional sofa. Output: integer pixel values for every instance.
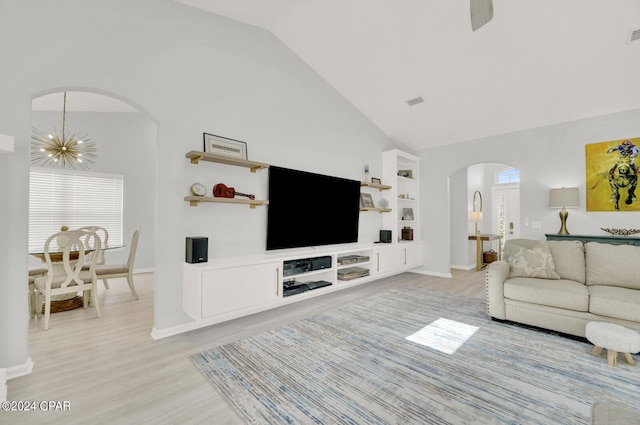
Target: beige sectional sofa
(563, 285)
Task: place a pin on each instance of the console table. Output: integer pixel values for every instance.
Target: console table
(480, 239)
(613, 240)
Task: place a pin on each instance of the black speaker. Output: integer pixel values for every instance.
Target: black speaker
(197, 249)
(385, 236)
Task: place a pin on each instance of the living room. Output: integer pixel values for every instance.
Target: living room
(192, 72)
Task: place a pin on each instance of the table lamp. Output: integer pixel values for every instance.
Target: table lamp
(566, 197)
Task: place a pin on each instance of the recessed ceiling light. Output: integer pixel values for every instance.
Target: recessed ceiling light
(415, 101)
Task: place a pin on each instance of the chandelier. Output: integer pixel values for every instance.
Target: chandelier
(64, 150)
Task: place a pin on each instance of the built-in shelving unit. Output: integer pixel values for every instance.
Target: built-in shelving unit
(196, 156)
(402, 169)
(226, 288)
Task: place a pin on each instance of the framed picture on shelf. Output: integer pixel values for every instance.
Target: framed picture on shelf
(407, 213)
(366, 201)
(224, 146)
(375, 180)
(406, 173)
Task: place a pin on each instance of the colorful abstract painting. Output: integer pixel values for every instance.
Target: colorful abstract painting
(612, 175)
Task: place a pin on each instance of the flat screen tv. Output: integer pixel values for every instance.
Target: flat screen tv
(307, 209)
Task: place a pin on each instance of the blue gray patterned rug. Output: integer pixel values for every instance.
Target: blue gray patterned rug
(355, 365)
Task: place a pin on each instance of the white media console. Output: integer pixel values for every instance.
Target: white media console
(225, 289)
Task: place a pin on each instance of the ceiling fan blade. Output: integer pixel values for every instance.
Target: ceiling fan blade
(481, 13)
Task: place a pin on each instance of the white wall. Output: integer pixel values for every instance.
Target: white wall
(548, 157)
(126, 145)
(191, 73)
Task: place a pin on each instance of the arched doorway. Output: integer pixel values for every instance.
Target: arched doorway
(500, 208)
(126, 140)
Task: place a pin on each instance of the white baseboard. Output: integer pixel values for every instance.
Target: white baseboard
(429, 273)
(147, 270)
(20, 370)
(175, 330)
(467, 267)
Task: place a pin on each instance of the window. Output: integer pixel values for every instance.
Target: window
(74, 199)
(509, 175)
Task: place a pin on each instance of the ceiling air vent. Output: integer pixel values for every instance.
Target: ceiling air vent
(415, 101)
(635, 35)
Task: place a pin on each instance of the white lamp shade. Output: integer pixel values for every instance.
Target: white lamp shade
(475, 216)
(567, 197)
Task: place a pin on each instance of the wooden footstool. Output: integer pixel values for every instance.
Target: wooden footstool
(614, 338)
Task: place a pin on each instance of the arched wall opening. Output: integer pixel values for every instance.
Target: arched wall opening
(463, 183)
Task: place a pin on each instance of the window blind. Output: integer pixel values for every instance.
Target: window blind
(74, 199)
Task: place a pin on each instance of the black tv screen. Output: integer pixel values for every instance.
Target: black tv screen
(307, 209)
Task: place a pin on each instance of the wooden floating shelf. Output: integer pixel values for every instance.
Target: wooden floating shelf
(380, 210)
(380, 187)
(195, 200)
(197, 156)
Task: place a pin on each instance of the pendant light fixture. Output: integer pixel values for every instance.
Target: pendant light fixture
(64, 150)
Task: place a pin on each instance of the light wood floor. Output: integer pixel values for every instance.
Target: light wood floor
(111, 371)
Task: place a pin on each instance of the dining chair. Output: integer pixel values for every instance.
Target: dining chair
(112, 271)
(65, 253)
(34, 272)
(104, 238)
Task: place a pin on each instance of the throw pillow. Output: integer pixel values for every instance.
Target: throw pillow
(534, 262)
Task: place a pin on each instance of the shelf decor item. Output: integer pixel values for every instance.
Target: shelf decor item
(198, 189)
(224, 146)
(366, 201)
(64, 150)
(376, 180)
(406, 173)
(407, 213)
(620, 232)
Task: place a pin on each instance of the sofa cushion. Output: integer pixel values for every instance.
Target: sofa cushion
(568, 257)
(530, 262)
(565, 294)
(615, 302)
(613, 265)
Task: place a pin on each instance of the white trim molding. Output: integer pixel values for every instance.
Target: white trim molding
(20, 370)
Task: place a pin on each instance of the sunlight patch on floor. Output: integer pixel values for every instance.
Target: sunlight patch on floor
(443, 335)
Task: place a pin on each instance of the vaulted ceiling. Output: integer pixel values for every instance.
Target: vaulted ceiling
(537, 62)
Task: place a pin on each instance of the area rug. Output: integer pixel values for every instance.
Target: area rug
(355, 365)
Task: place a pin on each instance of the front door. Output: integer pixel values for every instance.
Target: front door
(506, 207)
